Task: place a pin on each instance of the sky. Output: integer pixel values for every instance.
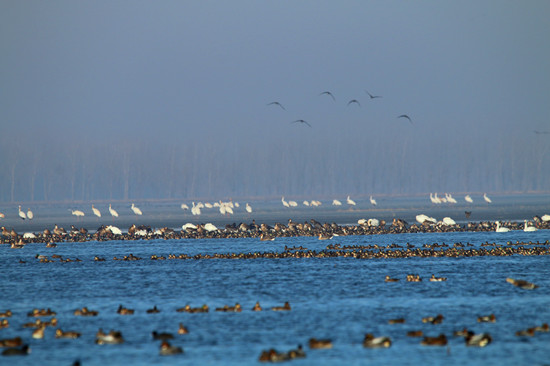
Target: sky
(170, 99)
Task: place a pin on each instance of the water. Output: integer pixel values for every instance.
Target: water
(336, 298)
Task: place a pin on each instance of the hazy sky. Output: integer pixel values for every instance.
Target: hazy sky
(472, 75)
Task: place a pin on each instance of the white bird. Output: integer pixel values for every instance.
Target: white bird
(468, 199)
(292, 203)
(350, 201)
(501, 229)
(210, 227)
(362, 221)
(222, 209)
(450, 198)
(248, 208)
(372, 201)
(96, 211)
(77, 213)
(188, 226)
(373, 222)
(228, 209)
(112, 211)
(22, 214)
(528, 228)
(448, 221)
(208, 205)
(136, 210)
(487, 199)
(113, 229)
(184, 206)
(29, 236)
(306, 203)
(421, 218)
(285, 203)
(316, 203)
(195, 210)
(30, 215)
(545, 218)
(336, 203)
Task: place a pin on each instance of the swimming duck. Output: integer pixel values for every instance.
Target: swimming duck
(257, 307)
(4, 323)
(487, 319)
(529, 332)
(71, 335)
(440, 340)
(434, 320)
(166, 349)
(273, 356)
(415, 333)
(522, 284)
(124, 311)
(315, 343)
(413, 278)
(437, 279)
(39, 333)
(461, 333)
(297, 353)
(371, 341)
(23, 351)
(182, 329)
(154, 310)
(85, 312)
(6, 314)
(11, 342)
(285, 307)
(543, 328)
(161, 336)
(265, 237)
(478, 340)
(389, 279)
(397, 321)
(113, 337)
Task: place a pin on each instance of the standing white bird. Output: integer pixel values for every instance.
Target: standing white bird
(528, 228)
(487, 199)
(448, 221)
(22, 214)
(112, 211)
(336, 203)
(501, 229)
(350, 201)
(96, 211)
(468, 199)
(77, 213)
(184, 206)
(248, 208)
(306, 203)
(372, 201)
(450, 198)
(136, 210)
(292, 203)
(30, 215)
(285, 203)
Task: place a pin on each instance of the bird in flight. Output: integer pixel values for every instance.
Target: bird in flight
(301, 121)
(373, 96)
(405, 116)
(277, 103)
(328, 93)
(354, 101)
(541, 132)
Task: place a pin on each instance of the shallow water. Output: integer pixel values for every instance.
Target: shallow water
(336, 298)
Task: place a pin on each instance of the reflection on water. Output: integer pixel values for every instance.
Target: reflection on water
(336, 298)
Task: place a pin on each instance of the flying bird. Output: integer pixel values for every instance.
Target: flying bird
(354, 101)
(373, 96)
(405, 116)
(301, 121)
(541, 132)
(277, 103)
(328, 93)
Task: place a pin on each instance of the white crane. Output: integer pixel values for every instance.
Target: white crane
(96, 211)
(336, 203)
(292, 203)
(350, 201)
(112, 211)
(468, 199)
(487, 199)
(306, 203)
(184, 206)
(30, 215)
(136, 210)
(372, 201)
(450, 198)
(22, 214)
(248, 208)
(285, 203)
(77, 213)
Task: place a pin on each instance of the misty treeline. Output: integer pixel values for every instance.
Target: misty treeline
(142, 169)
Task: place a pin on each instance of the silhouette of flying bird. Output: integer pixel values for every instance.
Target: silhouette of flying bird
(328, 93)
(541, 132)
(405, 116)
(373, 96)
(354, 101)
(277, 103)
(301, 121)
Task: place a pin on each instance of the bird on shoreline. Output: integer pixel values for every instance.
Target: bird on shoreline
(22, 214)
(301, 121)
(136, 210)
(96, 211)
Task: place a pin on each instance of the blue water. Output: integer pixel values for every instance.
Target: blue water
(336, 298)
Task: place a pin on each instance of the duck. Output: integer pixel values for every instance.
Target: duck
(437, 279)
(478, 340)
(285, 307)
(440, 340)
(297, 353)
(23, 351)
(434, 320)
(325, 236)
(315, 343)
(415, 333)
(389, 279)
(543, 328)
(182, 329)
(166, 349)
(113, 337)
(265, 237)
(4, 323)
(161, 336)
(257, 307)
(85, 312)
(6, 314)
(39, 332)
(397, 321)
(124, 311)
(371, 341)
(487, 319)
(154, 310)
(61, 334)
(273, 356)
(529, 332)
(11, 342)
(522, 284)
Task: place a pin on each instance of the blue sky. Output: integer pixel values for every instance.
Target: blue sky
(468, 73)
